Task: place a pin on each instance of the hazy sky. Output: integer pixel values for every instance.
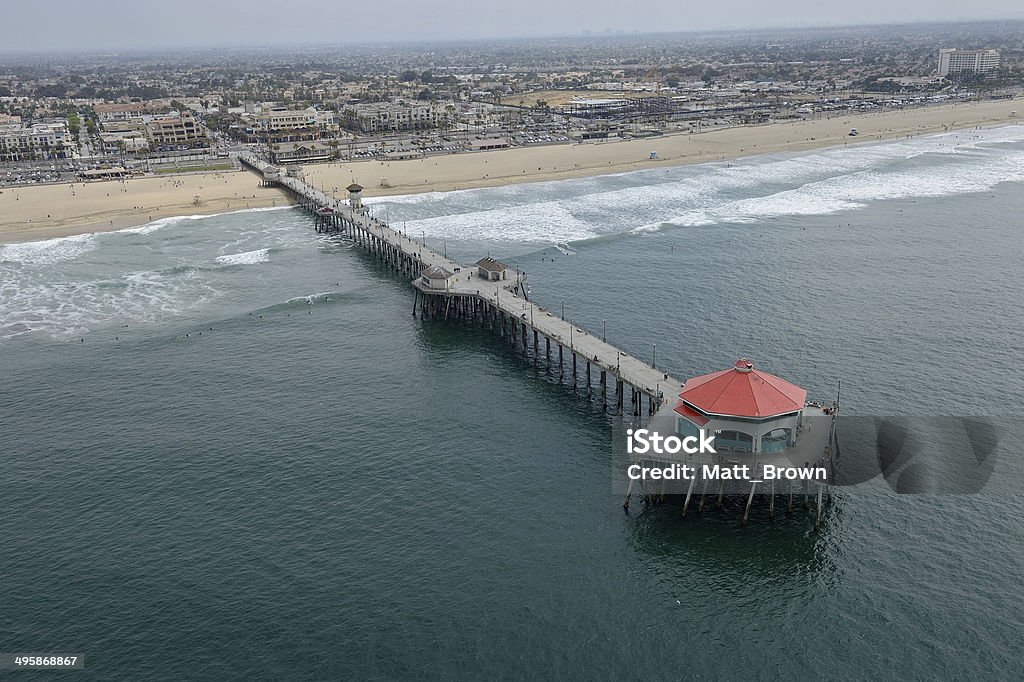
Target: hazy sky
(56, 24)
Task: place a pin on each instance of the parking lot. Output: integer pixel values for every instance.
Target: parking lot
(32, 174)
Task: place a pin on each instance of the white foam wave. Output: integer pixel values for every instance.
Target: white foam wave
(312, 298)
(646, 229)
(173, 220)
(809, 183)
(541, 222)
(857, 190)
(62, 309)
(245, 258)
(47, 251)
(159, 224)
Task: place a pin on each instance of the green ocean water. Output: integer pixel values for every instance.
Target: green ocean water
(227, 449)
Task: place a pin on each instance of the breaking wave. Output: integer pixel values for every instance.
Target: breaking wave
(742, 191)
(47, 251)
(246, 258)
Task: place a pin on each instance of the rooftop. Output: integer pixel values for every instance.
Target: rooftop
(742, 391)
(436, 272)
(488, 263)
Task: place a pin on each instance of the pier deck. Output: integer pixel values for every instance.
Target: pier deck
(502, 304)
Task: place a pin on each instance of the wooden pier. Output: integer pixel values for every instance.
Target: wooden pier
(449, 290)
(496, 296)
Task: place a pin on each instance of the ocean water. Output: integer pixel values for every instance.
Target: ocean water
(227, 449)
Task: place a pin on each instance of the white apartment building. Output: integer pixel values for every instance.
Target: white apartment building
(373, 118)
(283, 120)
(952, 60)
(36, 142)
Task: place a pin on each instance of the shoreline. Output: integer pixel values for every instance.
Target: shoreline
(31, 213)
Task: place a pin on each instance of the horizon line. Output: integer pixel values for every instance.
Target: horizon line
(118, 50)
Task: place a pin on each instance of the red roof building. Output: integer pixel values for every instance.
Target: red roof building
(742, 391)
(749, 410)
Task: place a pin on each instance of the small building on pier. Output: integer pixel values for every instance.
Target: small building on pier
(355, 195)
(436, 278)
(271, 176)
(749, 410)
(491, 270)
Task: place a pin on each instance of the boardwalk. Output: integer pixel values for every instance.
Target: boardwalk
(460, 292)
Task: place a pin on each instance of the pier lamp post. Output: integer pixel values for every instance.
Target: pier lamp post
(654, 349)
(604, 330)
(563, 308)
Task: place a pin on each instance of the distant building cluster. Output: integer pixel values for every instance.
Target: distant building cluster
(305, 106)
(952, 61)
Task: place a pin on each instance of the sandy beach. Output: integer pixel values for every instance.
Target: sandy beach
(29, 213)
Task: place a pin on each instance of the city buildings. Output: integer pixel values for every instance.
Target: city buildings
(398, 115)
(124, 137)
(39, 141)
(176, 132)
(286, 125)
(126, 111)
(952, 60)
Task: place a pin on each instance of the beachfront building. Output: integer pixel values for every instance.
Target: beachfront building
(129, 111)
(301, 152)
(750, 411)
(39, 141)
(281, 120)
(127, 141)
(176, 132)
(398, 115)
(287, 125)
(124, 137)
(952, 60)
(488, 143)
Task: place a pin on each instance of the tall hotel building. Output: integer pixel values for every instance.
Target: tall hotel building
(952, 60)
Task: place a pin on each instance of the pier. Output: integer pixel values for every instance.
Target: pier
(496, 296)
(445, 289)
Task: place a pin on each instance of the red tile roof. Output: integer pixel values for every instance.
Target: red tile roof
(691, 414)
(742, 391)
